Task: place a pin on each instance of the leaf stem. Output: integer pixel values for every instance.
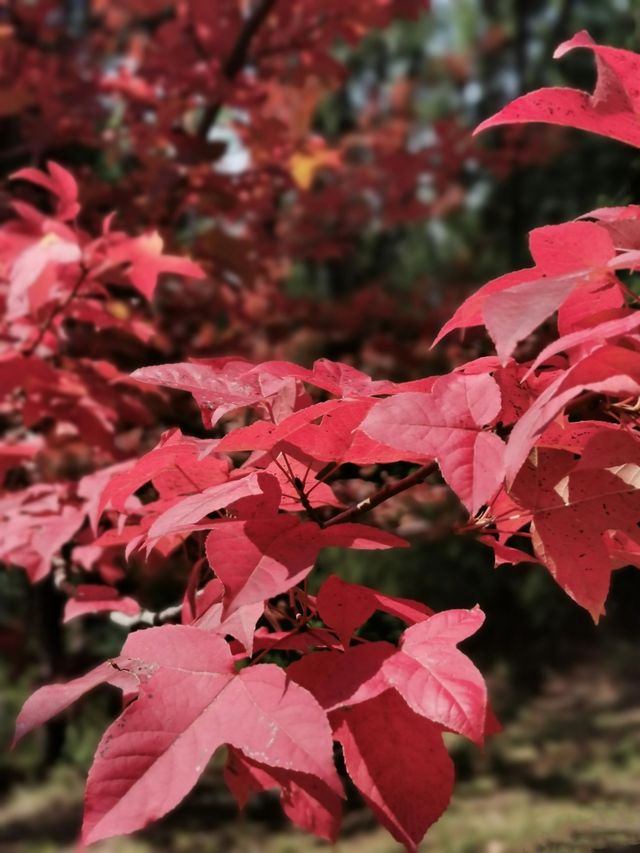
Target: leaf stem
(57, 310)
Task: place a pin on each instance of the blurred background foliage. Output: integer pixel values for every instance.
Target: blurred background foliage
(376, 302)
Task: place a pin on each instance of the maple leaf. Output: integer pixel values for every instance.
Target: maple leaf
(437, 680)
(433, 677)
(568, 257)
(345, 607)
(97, 598)
(190, 702)
(341, 679)
(209, 615)
(221, 385)
(446, 424)
(52, 699)
(145, 261)
(59, 182)
(574, 506)
(588, 339)
(612, 110)
(186, 512)
(398, 762)
(305, 163)
(505, 553)
(306, 801)
(260, 558)
(37, 523)
(337, 378)
(323, 431)
(607, 370)
(36, 272)
(178, 465)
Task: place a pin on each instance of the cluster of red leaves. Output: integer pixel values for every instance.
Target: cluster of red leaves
(223, 138)
(546, 446)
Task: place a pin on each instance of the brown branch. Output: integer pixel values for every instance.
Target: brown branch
(237, 59)
(383, 494)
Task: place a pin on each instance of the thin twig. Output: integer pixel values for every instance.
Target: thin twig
(57, 310)
(383, 494)
(304, 500)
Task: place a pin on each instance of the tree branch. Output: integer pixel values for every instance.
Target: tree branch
(383, 494)
(237, 59)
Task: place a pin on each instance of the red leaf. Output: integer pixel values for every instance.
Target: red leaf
(59, 182)
(263, 557)
(178, 465)
(504, 553)
(612, 110)
(563, 249)
(398, 762)
(145, 262)
(346, 606)
(342, 679)
(576, 505)
(608, 370)
(324, 431)
(306, 801)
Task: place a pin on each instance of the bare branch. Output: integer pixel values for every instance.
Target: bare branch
(383, 494)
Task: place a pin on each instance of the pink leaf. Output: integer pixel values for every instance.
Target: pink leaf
(591, 337)
(511, 315)
(436, 679)
(188, 706)
(187, 511)
(568, 256)
(90, 599)
(447, 425)
(54, 698)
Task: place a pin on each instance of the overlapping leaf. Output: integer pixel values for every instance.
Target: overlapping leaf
(576, 505)
(447, 424)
